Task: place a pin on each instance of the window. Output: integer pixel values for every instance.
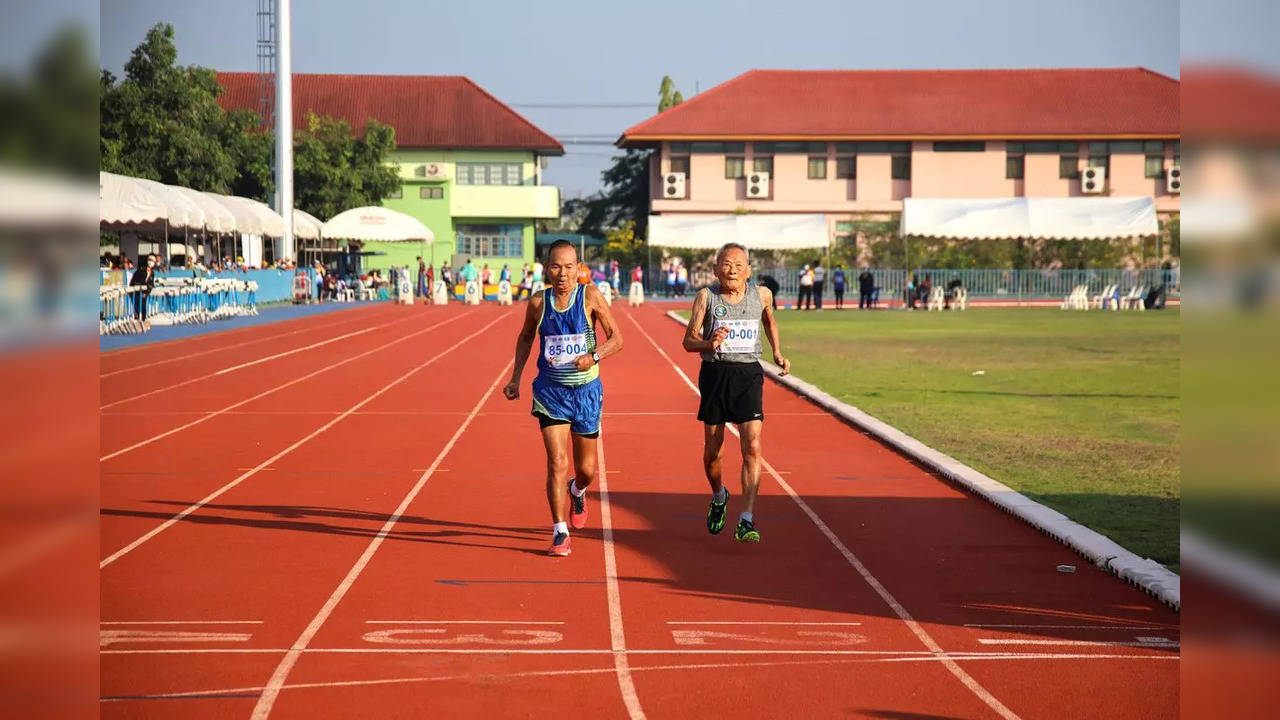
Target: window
(715, 148)
(1098, 148)
(817, 168)
(679, 148)
(901, 167)
(762, 163)
(873, 147)
(489, 174)
(1153, 147)
(491, 240)
(431, 193)
(396, 194)
(1015, 166)
(1052, 146)
(771, 148)
(1153, 166)
(844, 226)
(959, 147)
(680, 165)
(1131, 147)
(1102, 161)
(1069, 167)
(734, 167)
(847, 168)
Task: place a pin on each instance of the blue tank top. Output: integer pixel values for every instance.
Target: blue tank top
(564, 335)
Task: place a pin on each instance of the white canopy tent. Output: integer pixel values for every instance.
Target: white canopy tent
(126, 201)
(377, 224)
(217, 218)
(784, 231)
(1076, 218)
(306, 225)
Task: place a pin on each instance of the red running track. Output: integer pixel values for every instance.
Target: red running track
(368, 542)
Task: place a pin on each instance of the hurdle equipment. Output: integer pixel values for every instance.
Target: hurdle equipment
(472, 294)
(607, 291)
(504, 292)
(635, 298)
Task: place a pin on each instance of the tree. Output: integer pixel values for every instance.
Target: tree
(625, 197)
(49, 115)
(334, 171)
(163, 122)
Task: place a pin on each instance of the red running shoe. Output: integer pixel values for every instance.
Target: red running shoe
(577, 509)
(559, 545)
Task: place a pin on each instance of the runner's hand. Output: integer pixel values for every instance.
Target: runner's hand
(512, 390)
(783, 363)
(718, 337)
(583, 363)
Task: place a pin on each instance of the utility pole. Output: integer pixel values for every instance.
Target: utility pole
(284, 124)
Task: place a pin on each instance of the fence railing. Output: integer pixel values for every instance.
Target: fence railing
(980, 283)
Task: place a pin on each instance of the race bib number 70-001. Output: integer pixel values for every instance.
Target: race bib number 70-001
(561, 350)
(743, 335)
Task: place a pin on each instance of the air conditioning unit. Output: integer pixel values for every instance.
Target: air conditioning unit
(434, 171)
(1173, 179)
(1093, 180)
(673, 186)
(758, 186)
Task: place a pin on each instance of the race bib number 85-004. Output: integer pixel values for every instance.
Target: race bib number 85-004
(560, 350)
(743, 335)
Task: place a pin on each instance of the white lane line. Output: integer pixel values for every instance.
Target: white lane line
(1153, 642)
(107, 637)
(600, 671)
(1159, 628)
(227, 347)
(617, 638)
(251, 363)
(903, 655)
(463, 622)
(752, 622)
(181, 622)
(967, 680)
(244, 476)
(295, 381)
(272, 690)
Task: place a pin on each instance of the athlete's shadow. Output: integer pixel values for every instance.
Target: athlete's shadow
(346, 522)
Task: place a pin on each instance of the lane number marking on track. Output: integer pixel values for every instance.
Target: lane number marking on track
(112, 637)
(805, 638)
(443, 636)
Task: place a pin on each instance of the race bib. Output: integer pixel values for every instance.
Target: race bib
(742, 338)
(562, 350)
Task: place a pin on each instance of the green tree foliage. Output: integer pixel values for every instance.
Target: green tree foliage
(334, 172)
(163, 122)
(49, 115)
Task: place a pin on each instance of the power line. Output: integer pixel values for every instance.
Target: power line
(580, 105)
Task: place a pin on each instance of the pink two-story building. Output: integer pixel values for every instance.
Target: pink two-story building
(841, 145)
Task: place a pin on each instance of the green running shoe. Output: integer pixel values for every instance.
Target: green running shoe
(746, 532)
(715, 515)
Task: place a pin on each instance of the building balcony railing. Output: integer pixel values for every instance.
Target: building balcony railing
(505, 201)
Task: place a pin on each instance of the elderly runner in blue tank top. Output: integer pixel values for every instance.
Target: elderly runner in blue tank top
(567, 394)
(725, 328)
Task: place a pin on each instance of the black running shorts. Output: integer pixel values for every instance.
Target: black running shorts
(731, 392)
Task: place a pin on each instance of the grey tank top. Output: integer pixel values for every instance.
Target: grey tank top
(743, 321)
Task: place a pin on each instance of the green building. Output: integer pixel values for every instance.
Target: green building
(471, 167)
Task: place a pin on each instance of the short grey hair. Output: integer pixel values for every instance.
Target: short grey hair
(731, 246)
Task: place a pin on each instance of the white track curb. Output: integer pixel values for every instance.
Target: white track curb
(1144, 573)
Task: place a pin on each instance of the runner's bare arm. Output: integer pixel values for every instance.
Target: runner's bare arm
(601, 315)
(524, 341)
(693, 341)
(771, 329)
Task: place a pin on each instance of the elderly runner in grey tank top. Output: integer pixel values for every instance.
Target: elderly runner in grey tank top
(743, 320)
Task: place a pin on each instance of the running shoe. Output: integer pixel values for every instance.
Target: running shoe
(577, 509)
(715, 515)
(746, 532)
(559, 545)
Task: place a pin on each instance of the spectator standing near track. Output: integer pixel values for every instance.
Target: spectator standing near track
(805, 299)
(671, 279)
(144, 277)
(505, 274)
(526, 285)
(724, 327)
(819, 283)
(539, 273)
(567, 393)
(866, 284)
(682, 281)
(486, 275)
(423, 285)
(837, 283)
(469, 272)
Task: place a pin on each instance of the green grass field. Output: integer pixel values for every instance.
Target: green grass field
(1078, 410)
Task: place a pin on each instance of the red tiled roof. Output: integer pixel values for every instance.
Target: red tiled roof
(923, 103)
(1231, 103)
(427, 111)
